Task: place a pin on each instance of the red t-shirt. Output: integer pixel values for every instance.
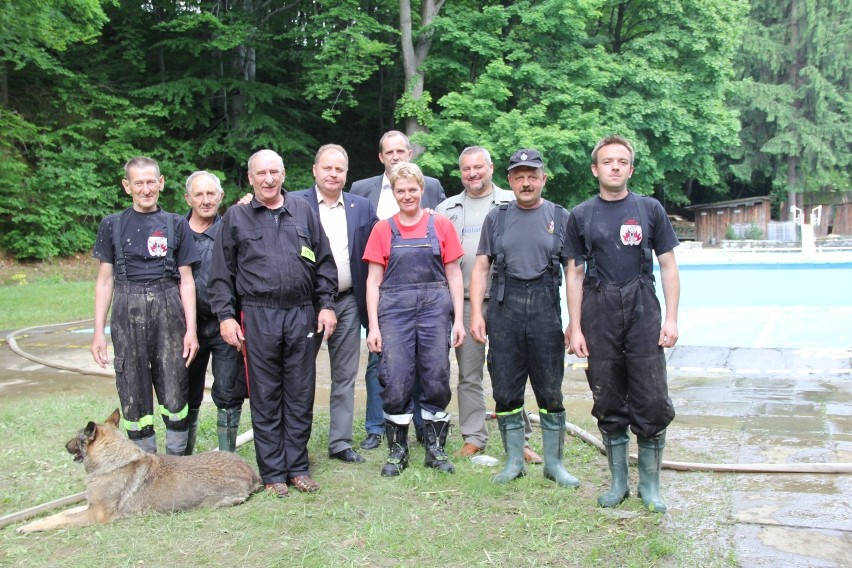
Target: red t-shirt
(379, 244)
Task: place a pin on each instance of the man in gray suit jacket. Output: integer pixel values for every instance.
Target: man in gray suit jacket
(394, 147)
(348, 221)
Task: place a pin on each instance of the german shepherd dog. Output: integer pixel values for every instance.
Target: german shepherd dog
(124, 481)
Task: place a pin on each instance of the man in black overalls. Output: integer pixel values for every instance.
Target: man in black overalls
(146, 258)
(616, 319)
(525, 240)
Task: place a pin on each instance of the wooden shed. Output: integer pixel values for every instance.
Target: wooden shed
(713, 219)
(836, 215)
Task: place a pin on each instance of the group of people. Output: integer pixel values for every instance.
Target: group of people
(260, 288)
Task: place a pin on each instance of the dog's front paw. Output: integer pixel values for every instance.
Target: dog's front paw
(32, 527)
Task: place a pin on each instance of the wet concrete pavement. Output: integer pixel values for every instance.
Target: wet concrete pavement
(736, 404)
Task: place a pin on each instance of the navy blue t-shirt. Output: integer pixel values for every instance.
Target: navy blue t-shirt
(617, 235)
(143, 239)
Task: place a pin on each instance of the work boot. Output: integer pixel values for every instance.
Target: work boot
(192, 430)
(650, 462)
(176, 442)
(397, 437)
(553, 441)
(512, 431)
(435, 436)
(148, 444)
(617, 445)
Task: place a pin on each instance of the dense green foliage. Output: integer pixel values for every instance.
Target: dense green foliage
(721, 97)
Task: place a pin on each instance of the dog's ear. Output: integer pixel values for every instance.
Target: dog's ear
(89, 430)
(113, 418)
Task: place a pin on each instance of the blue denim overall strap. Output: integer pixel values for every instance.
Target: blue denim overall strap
(415, 260)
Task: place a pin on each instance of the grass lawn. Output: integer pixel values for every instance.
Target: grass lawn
(46, 292)
(358, 519)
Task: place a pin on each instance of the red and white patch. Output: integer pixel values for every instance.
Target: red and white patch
(158, 244)
(631, 234)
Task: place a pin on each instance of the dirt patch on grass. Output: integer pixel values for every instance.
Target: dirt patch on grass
(77, 268)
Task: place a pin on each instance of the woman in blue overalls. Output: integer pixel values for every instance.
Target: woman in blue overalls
(414, 304)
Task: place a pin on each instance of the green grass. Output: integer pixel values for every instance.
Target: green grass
(52, 300)
(358, 519)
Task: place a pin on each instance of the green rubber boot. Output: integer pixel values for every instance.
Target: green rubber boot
(650, 462)
(617, 445)
(222, 430)
(233, 427)
(191, 431)
(512, 431)
(553, 441)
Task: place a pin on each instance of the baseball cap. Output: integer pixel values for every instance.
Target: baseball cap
(526, 157)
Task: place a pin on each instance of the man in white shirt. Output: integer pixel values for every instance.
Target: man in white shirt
(347, 221)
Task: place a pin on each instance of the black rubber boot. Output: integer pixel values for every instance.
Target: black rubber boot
(512, 431)
(435, 436)
(553, 441)
(650, 462)
(617, 445)
(192, 430)
(397, 437)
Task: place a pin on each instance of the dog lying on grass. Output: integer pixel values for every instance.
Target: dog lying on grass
(124, 481)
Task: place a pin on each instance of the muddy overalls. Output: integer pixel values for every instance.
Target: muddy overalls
(621, 322)
(415, 314)
(147, 327)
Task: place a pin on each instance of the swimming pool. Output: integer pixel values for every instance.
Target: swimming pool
(792, 305)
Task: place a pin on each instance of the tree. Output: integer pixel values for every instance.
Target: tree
(558, 76)
(795, 97)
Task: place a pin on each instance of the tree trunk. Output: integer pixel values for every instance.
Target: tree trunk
(413, 56)
(793, 163)
(4, 86)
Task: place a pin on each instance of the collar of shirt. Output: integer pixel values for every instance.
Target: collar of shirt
(338, 203)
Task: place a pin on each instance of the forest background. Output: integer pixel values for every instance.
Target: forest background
(722, 98)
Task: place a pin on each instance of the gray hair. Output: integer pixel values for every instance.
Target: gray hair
(475, 150)
(200, 173)
(259, 152)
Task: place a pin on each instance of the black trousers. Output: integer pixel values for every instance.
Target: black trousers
(229, 374)
(526, 339)
(281, 358)
(627, 369)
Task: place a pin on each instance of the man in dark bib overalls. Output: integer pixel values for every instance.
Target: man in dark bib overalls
(616, 319)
